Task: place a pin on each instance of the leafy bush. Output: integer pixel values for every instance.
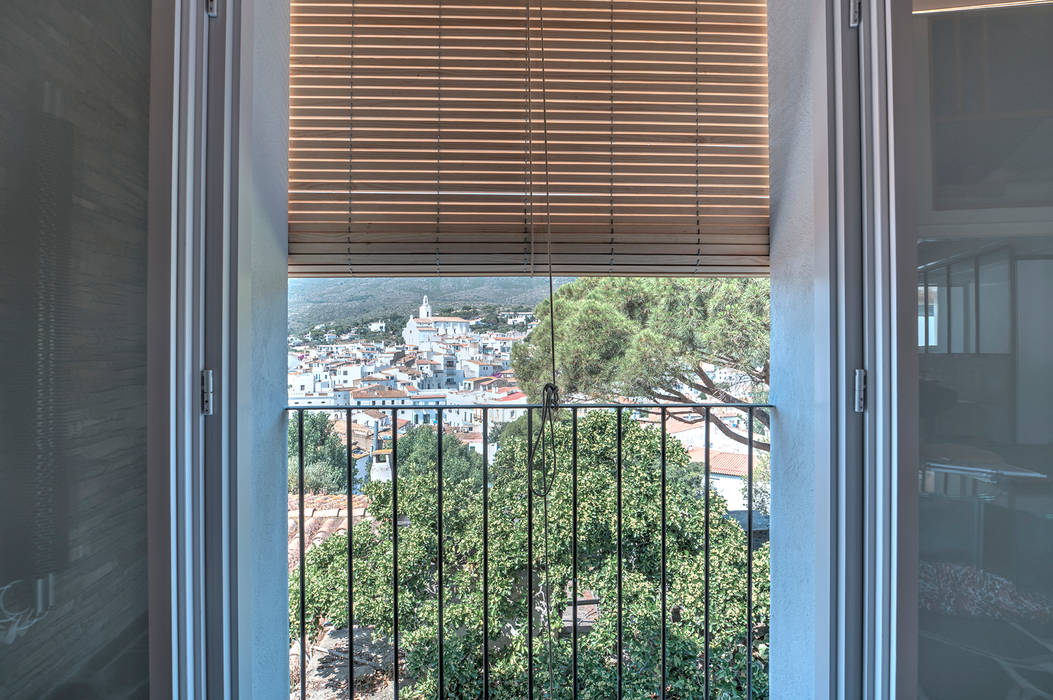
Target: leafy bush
(597, 566)
(325, 461)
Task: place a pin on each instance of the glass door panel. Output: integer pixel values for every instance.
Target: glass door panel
(74, 130)
(984, 92)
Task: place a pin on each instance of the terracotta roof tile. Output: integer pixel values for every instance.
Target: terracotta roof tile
(723, 463)
(324, 515)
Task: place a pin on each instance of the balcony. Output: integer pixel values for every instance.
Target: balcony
(618, 564)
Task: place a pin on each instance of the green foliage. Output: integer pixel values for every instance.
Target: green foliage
(648, 338)
(629, 336)
(325, 459)
(326, 585)
(417, 457)
(490, 315)
(504, 433)
(689, 478)
(597, 480)
(392, 333)
(761, 484)
(352, 300)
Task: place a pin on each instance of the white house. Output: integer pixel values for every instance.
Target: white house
(517, 318)
(727, 475)
(380, 470)
(373, 395)
(301, 382)
(424, 327)
(377, 379)
(474, 441)
(345, 373)
(478, 368)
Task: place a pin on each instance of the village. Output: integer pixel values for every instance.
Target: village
(363, 384)
(452, 362)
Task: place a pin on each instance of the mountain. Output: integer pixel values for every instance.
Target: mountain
(350, 300)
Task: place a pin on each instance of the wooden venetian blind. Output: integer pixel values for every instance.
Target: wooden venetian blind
(461, 137)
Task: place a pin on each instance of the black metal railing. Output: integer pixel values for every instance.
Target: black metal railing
(659, 414)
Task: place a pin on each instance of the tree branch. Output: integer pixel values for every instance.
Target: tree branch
(678, 397)
(710, 388)
(737, 437)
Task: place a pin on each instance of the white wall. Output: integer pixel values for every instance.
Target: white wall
(262, 606)
(731, 489)
(801, 317)
(801, 371)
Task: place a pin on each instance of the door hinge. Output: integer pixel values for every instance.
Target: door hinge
(861, 391)
(855, 12)
(207, 395)
(212, 8)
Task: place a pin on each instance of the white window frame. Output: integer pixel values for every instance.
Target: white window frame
(175, 329)
(818, 470)
(848, 596)
(216, 295)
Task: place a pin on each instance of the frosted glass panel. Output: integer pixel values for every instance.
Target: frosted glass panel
(985, 254)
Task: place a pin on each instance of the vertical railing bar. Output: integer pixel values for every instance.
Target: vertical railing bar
(303, 566)
(664, 558)
(664, 581)
(705, 577)
(749, 556)
(350, 557)
(395, 547)
(438, 507)
(574, 549)
(621, 650)
(486, 555)
(530, 557)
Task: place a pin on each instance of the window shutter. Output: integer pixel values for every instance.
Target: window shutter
(462, 137)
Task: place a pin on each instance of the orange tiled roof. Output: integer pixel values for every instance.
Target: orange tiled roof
(324, 515)
(723, 463)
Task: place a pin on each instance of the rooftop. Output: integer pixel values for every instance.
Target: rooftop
(723, 463)
(324, 515)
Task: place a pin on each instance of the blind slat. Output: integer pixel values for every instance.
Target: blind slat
(443, 138)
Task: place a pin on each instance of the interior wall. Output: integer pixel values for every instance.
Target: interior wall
(74, 92)
(803, 554)
(259, 336)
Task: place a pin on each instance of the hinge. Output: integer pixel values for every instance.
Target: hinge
(212, 8)
(207, 395)
(855, 12)
(861, 391)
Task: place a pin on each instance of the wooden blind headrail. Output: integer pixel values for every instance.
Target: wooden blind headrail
(426, 139)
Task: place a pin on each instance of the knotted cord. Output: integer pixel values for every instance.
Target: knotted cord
(549, 406)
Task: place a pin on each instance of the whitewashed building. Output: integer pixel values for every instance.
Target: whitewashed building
(423, 327)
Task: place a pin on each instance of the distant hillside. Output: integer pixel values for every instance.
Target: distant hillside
(343, 300)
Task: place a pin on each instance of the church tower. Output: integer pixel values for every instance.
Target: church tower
(425, 308)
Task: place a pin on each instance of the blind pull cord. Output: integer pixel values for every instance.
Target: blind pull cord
(550, 392)
(350, 138)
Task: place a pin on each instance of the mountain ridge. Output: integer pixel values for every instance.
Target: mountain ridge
(352, 300)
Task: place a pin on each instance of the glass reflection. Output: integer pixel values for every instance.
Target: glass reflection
(985, 329)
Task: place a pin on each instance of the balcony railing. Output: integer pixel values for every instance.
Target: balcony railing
(695, 588)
